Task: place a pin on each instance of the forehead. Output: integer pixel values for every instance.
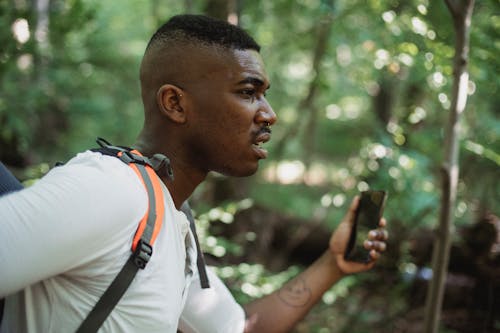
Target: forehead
(249, 64)
(229, 66)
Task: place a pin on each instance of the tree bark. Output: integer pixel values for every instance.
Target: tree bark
(188, 6)
(42, 40)
(324, 31)
(227, 10)
(461, 12)
(307, 104)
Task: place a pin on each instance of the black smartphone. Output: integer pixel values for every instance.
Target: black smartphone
(367, 217)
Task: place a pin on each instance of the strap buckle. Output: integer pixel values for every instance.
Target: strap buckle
(142, 254)
(161, 164)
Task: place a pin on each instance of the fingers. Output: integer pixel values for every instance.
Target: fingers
(376, 241)
(375, 245)
(379, 234)
(374, 255)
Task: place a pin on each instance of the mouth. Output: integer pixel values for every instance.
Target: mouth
(263, 136)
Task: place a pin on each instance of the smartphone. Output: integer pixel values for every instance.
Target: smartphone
(367, 217)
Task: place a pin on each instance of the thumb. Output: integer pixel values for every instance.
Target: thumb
(351, 213)
(340, 237)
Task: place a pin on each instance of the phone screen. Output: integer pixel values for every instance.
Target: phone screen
(368, 214)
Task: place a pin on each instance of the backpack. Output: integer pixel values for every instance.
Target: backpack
(149, 171)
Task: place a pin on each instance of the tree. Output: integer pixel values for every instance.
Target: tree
(461, 12)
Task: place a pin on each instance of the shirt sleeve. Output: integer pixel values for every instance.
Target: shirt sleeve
(212, 310)
(66, 219)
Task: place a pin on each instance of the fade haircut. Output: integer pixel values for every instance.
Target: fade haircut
(204, 29)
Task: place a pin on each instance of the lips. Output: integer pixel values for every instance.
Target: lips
(264, 135)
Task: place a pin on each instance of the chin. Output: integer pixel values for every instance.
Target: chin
(240, 172)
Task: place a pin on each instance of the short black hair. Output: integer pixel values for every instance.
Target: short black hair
(204, 29)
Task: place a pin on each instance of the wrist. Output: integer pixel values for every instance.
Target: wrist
(330, 261)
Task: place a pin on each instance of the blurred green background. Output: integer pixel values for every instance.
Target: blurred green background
(361, 90)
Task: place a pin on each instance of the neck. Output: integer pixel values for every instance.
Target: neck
(183, 185)
(186, 177)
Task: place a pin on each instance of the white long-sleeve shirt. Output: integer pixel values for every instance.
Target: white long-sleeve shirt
(64, 239)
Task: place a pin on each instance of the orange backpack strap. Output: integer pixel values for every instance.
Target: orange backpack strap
(151, 223)
(147, 231)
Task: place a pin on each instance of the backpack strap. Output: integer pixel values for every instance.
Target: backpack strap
(148, 170)
(200, 260)
(142, 249)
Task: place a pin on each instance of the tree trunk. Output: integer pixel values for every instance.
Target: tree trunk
(227, 10)
(461, 12)
(155, 13)
(188, 7)
(42, 40)
(324, 31)
(307, 104)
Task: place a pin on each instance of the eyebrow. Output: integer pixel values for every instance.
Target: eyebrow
(253, 80)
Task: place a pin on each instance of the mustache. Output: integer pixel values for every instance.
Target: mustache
(264, 130)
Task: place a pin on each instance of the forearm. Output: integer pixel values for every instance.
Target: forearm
(281, 310)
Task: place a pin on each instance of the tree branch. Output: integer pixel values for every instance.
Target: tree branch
(453, 7)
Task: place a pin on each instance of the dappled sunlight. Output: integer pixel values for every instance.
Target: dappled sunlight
(298, 70)
(417, 115)
(336, 200)
(21, 31)
(285, 172)
(349, 109)
(418, 26)
(344, 55)
(295, 172)
(333, 111)
(382, 58)
(25, 62)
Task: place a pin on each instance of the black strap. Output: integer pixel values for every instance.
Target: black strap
(109, 299)
(122, 281)
(159, 162)
(200, 261)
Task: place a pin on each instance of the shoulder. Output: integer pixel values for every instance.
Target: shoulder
(102, 183)
(91, 193)
(93, 173)
(91, 205)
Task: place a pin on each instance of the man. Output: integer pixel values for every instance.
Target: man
(64, 239)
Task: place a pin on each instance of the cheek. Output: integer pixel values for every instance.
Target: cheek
(226, 121)
(235, 117)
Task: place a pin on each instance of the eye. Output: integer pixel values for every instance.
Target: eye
(249, 94)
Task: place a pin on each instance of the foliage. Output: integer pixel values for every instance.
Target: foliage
(375, 118)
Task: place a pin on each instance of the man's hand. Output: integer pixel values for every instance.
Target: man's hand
(375, 242)
(279, 311)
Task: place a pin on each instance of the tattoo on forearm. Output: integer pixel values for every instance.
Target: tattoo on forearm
(295, 293)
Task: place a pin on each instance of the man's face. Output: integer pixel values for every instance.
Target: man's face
(228, 114)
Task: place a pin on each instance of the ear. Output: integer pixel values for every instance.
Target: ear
(168, 99)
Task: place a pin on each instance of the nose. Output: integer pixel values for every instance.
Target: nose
(265, 114)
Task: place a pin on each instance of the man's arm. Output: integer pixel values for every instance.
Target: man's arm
(281, 310)
(62, 221)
